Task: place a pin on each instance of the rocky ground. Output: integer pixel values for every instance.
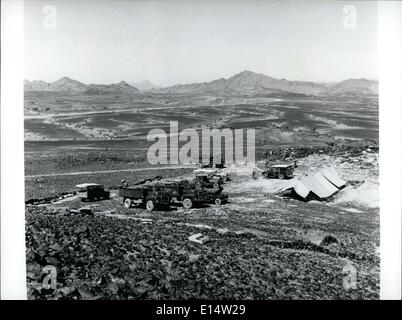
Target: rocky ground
(258, 246)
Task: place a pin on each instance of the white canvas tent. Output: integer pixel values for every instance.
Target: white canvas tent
(321, 185)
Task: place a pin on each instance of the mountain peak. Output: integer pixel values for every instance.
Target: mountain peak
(121, 87)
(247, 72)
(67, 84)
(247, 75)
(123, 84)
(65, 79)
(145, 85)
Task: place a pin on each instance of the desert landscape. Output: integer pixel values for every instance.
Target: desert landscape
(260, 245)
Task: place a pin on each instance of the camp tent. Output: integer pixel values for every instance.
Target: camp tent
(320, 185)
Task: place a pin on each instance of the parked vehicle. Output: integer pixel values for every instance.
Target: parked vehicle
(145, 194)
(92, 191)
(222, 173)
(208, 181)
(279, 171)
(159, 194)
(218, 198)
(191, 194)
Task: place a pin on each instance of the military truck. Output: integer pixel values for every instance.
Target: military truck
(164, 194)
(144, 195)
(92, 191)
(208, 181)
(214, 173)
(279, 171)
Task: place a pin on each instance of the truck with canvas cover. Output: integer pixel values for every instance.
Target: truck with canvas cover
(161, 193)
(144, 195)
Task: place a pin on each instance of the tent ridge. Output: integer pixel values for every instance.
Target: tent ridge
(322, 184)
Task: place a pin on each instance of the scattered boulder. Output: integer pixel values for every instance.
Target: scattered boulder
(193, 257)
(83, 231)
(86, 211)
(328, 240)
(198, 238)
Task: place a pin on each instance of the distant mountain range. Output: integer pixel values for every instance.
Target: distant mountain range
(245, 82)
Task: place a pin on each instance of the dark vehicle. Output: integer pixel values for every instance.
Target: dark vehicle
(218, 198)
(190, 191)
(164, 194)
(191, 194)
(92, 191)
(208, 180)
(279, 171)
(216, 173)
(146, 195)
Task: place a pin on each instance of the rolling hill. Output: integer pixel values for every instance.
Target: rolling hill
(362, 86)
(63, 84)
(248, 82)
(115, 88)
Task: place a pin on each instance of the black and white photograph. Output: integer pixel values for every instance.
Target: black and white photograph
(208, 150)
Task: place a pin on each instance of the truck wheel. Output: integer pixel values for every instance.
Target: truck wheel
(280, 176)
(218, 201)
(127, 203)
(187, 203)
(150, 205)
(215, 185)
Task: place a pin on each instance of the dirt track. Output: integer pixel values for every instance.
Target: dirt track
(106, 171)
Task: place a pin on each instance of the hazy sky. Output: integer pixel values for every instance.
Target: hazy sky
(171, 42)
